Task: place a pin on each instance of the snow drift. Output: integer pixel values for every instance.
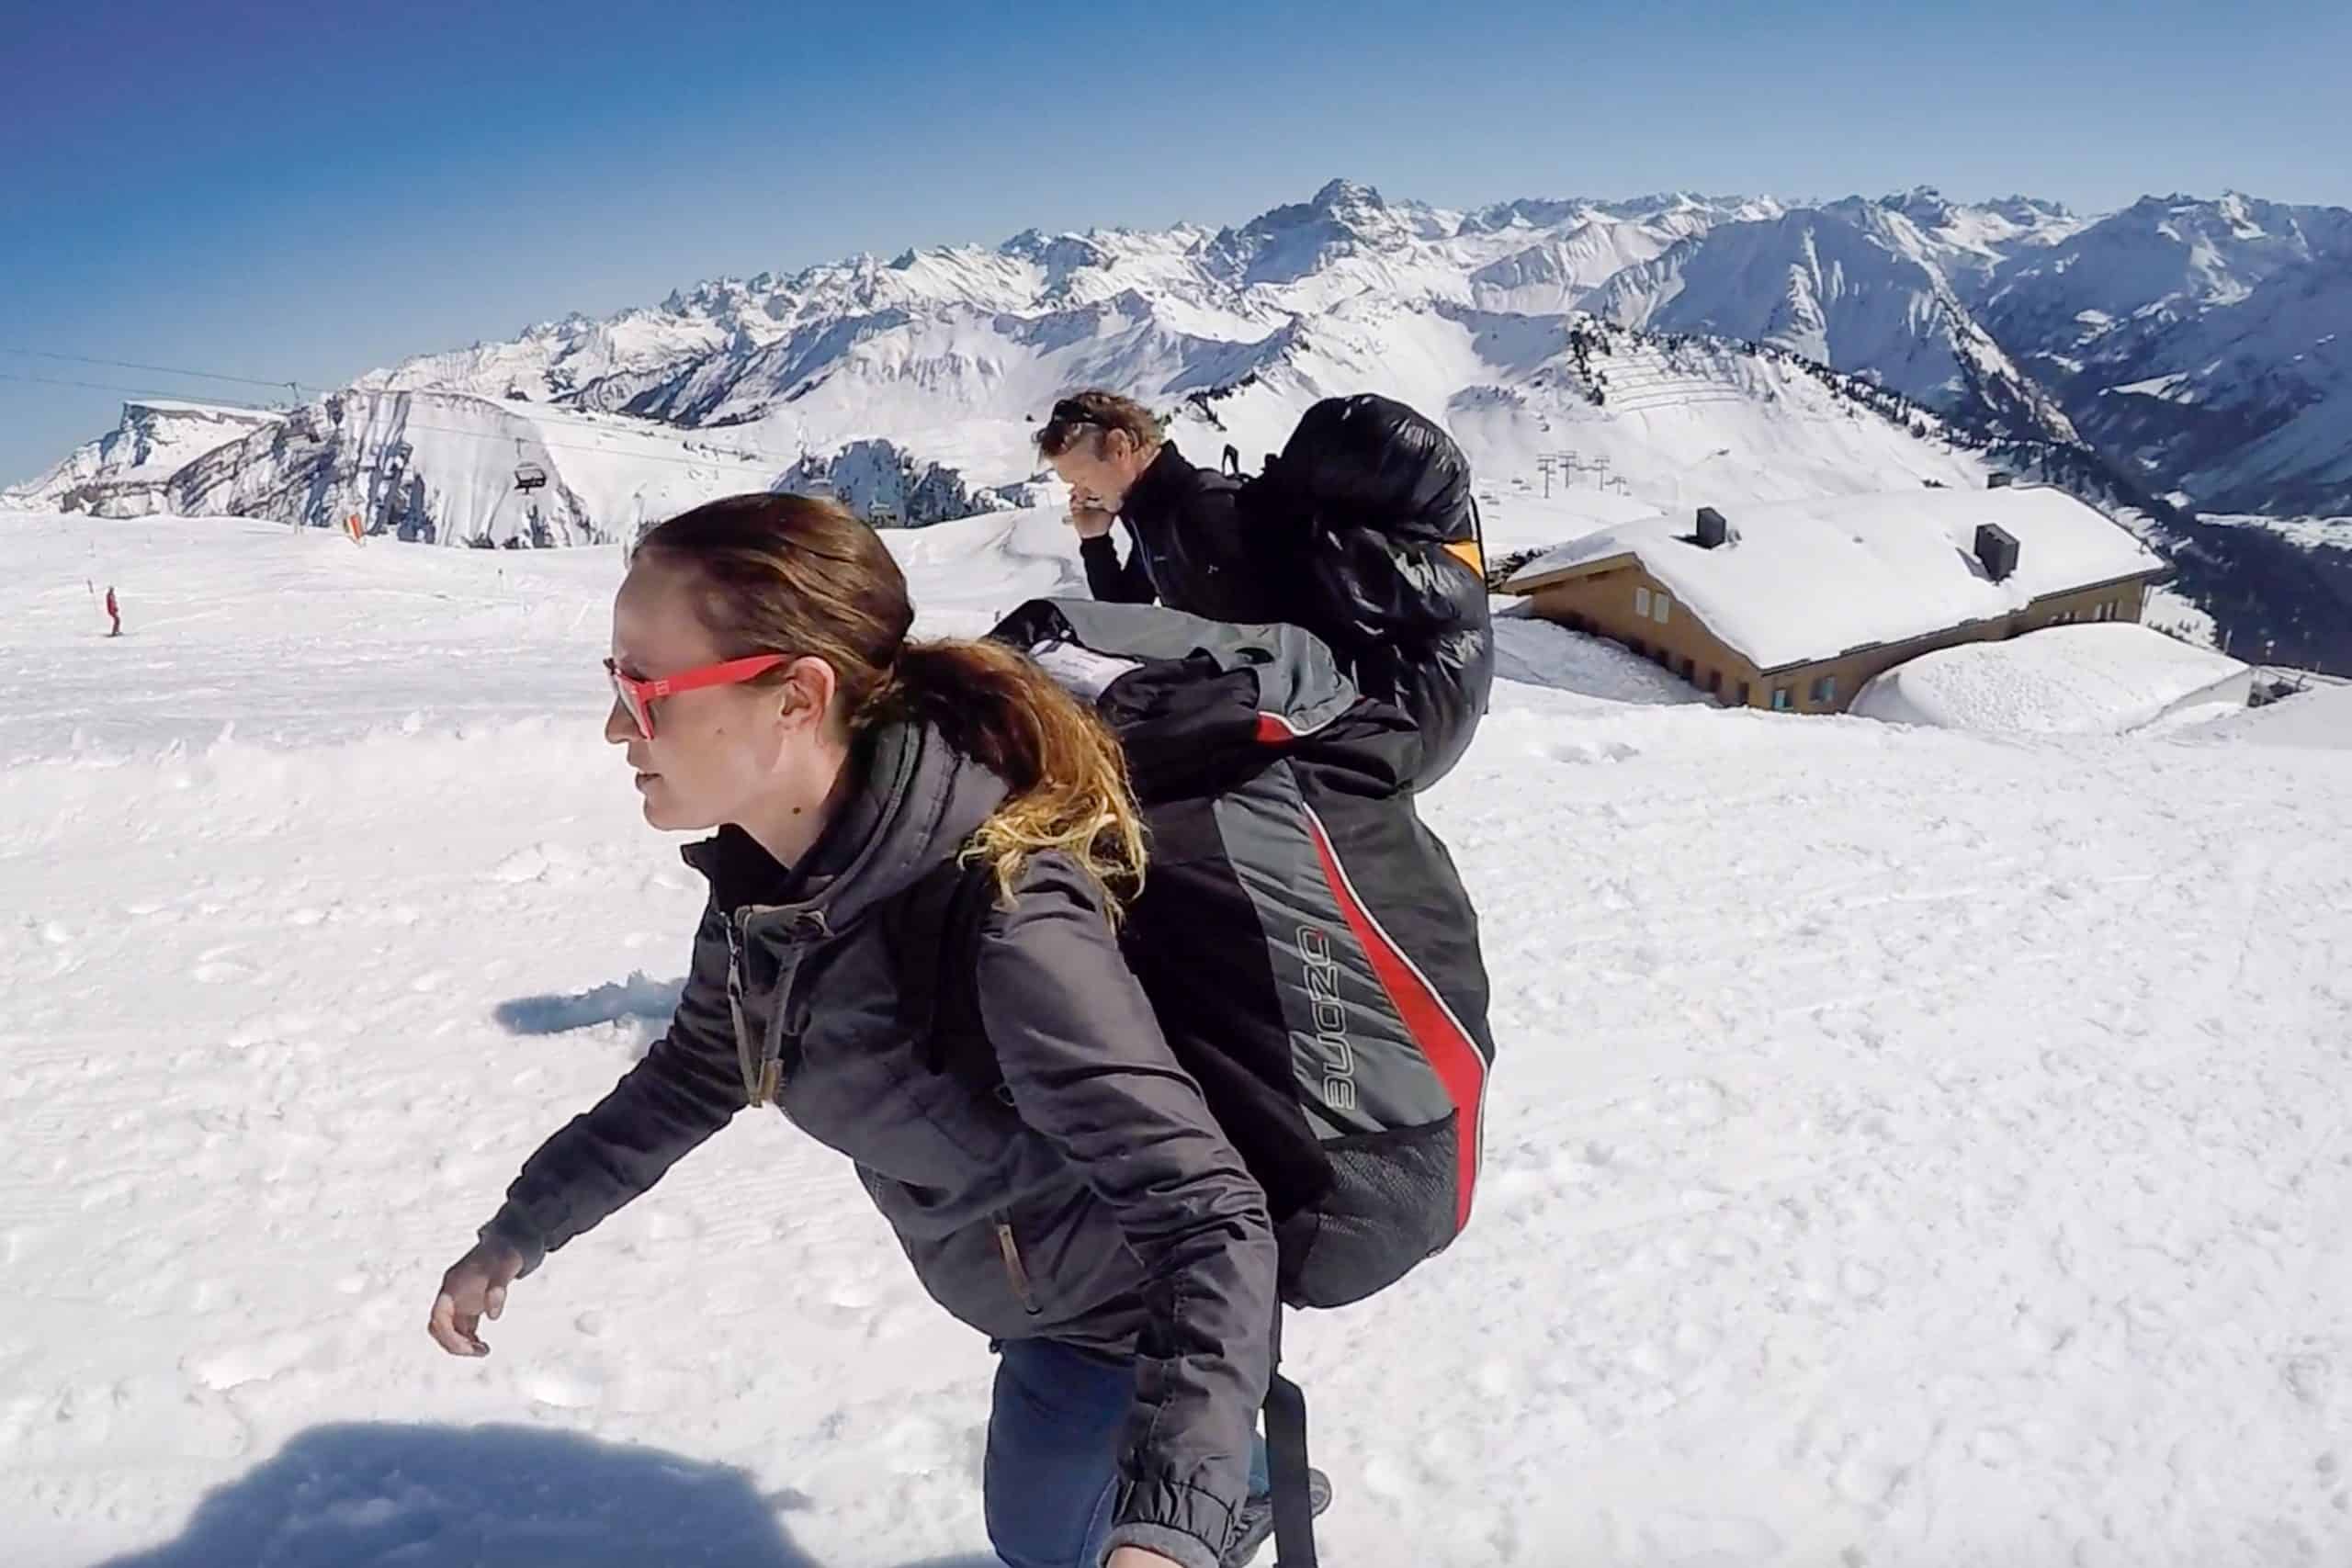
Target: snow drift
(2071, 680)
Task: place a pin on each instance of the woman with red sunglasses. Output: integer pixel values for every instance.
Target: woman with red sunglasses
(1090, 1218)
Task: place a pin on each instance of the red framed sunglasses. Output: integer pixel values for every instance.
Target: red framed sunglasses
(638, 696)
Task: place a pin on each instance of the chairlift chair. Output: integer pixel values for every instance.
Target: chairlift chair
(529, 477)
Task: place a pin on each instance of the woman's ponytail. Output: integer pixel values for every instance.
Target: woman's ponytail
(1066, 774)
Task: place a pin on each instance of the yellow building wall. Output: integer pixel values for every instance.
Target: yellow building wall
(1603, 605)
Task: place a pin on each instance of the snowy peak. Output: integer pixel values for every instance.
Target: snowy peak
(1963, 243)
(1524, 213)
(125, 472)
(1924, 206)
(2243, 402)
(944, 353)
(1344, 198)
(1058, 255)
(1288, 244)
(1554, 275)
(1861, 298)
(2201, 342)
(2164, 251)
(2027, 212)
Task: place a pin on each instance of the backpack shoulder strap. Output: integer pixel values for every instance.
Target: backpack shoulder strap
(935, 941)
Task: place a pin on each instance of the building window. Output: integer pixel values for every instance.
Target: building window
(1714, 681)
(1641, 603)
(1660, 605)
(1781, 696)
(1640, 649)
(1689, 670)
(1824, 690)
(1743, 694)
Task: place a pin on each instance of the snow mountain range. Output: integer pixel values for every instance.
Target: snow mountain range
(1669, 350)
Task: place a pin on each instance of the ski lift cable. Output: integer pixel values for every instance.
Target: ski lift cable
(140, 392)
(160, 370)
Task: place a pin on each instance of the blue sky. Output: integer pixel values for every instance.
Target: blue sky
(305, 192)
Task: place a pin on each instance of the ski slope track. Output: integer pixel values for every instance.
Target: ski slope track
(1908, 1147)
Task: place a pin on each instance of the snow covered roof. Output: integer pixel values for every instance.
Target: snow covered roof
(1810, 579)
(2091, 678)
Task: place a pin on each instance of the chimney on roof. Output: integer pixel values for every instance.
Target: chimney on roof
(1999, 481)
(1998, 548)
(1713, 532)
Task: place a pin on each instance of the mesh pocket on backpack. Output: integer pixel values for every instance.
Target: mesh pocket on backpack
(1391, 1203)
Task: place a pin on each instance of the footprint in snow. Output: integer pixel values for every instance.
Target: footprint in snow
(567, 1387)
(256, 1360)
(1584, 751)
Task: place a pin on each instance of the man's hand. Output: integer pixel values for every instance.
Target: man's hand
(1087, 516)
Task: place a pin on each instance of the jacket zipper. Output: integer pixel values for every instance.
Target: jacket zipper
(1014, 1269)
(766, 1061)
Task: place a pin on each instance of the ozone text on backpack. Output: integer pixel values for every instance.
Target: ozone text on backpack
(1304, 938)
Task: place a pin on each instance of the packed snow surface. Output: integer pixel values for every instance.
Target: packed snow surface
(2320, 717)
(1908, 1147)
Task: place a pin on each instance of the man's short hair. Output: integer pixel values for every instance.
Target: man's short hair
(1096, 410)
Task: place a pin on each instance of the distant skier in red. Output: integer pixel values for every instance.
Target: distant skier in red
(114, 612)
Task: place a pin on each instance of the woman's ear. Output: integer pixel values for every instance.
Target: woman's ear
(806, 693)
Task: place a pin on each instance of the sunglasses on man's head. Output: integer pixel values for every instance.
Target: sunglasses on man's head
(638, 696)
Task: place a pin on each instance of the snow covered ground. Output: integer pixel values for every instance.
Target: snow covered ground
(1516, 519)
(2310, 532)
(1534, 652)
(2321, 717)
(2092, 679)
(1910, 1147)
(2168, 610)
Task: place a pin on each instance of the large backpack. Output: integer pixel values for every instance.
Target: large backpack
(1379, 502)
(1303, 938)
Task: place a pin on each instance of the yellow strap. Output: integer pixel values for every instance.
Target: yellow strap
(1466, 552)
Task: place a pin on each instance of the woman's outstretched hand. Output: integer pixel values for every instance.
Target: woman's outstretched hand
(475, 1287)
